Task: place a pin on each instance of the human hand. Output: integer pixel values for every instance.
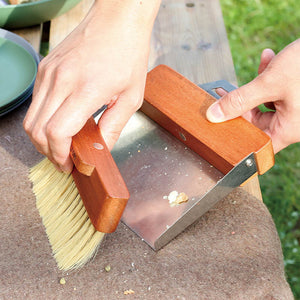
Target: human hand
(277, 86)
(102, 62)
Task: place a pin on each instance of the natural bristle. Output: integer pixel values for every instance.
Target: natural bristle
(73, 238)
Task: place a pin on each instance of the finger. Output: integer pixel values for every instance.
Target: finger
(221, 92)
(260, 119)
(115, 118)
(38, 129)
(250, 114)
(65, 123)
(266, 57)
(40, 90)
(241, 100)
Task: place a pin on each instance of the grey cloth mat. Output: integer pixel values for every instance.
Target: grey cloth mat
(232, 252)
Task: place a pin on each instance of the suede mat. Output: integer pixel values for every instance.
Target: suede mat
(232, 252)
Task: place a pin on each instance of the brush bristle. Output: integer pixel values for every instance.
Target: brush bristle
(73, 238)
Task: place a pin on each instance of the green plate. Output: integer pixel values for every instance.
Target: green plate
(28, 14)
(17, 71)
(15, 104)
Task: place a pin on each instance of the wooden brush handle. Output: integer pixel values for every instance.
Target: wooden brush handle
(97, 177)
(180, 107)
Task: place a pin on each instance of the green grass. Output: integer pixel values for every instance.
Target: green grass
(253, 25)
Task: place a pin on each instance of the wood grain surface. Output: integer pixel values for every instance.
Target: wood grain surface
(98, 180)
(180, 106)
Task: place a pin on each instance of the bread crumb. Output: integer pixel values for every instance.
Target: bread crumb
(107, 268)
(176, 198)
(128, 292)
(62, 281)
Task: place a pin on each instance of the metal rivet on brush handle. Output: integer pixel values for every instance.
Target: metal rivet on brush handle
(98, 146)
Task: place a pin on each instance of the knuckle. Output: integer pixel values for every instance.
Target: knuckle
(46, 73)
(54, 135)
(44, 69)
(60, 72)
(38, 136)
(42, 65)
(27, 125)
(52, 131)
(58, 159)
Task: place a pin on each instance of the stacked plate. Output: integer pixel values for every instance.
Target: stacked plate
(18, 68)
(32, 13)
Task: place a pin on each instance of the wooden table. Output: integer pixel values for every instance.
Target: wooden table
(232, 252)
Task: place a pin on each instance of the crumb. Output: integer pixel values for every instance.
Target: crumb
(107, 268)
(128, 292)
(176, 198)
(182, 198)
(62, 281)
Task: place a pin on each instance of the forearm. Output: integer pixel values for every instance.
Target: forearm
(140, 13)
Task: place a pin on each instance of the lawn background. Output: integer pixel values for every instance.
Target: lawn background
(251, 26)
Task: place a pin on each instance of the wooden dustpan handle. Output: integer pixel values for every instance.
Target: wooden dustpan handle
(180, 106)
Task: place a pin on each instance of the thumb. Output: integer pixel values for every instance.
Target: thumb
(266, 57)
(241, 100)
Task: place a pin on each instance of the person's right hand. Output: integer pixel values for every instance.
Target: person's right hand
(102, 62)
(278, 87)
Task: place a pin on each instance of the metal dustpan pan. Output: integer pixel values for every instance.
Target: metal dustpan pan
(176, 164)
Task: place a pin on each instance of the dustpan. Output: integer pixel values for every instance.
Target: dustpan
(169, 150)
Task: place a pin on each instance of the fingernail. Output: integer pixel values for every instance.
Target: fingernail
(62, 169)
(58, 168)
(215, 114)
(66, 170)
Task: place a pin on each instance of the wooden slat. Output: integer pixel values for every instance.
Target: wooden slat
(32, 35)
(193, 41)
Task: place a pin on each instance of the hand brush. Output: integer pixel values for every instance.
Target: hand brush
(78, 209)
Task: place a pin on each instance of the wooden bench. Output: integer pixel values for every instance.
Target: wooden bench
(232, 252)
